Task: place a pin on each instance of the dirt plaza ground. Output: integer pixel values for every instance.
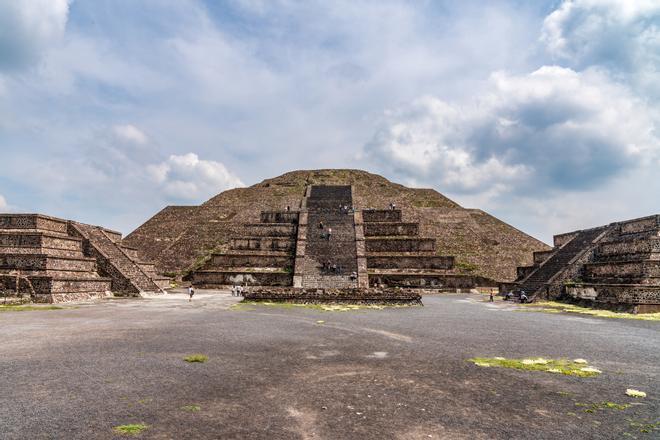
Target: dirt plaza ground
(278, 372)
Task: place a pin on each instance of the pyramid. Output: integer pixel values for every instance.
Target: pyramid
(427, 240)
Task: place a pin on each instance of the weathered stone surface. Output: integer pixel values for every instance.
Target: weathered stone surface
(45, 259)
(177, 237)
(617, 265)
(344, 295)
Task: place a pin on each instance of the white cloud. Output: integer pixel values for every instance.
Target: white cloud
(622, 35)
(190, 178)
(3, 203)
(28, 27)
(130, 133)
(553, 128)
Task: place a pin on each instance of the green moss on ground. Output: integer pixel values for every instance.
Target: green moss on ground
(130, 429)
(557, 366)
(22, 308)
(557, 307)
(191, 408)
(645, 426)
(593, 407)
(196, 358)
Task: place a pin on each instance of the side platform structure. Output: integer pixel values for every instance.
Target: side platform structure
(614, 266)
(50, 260)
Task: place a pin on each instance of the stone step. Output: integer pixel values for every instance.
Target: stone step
(622, 270)
(399, 244)
(428, 281)
(216, 278)
(279, 217)
(574, 244)
(125, 272)
(271, 229)
(381, 215)
(39, 239)
(237, 260)
(263, 243)
(412, 262)
(65, 253)
(46, 262)
(44, 285)
(33, 221)
(391, 229)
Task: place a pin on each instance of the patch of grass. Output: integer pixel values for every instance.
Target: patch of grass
(467, 267)
(557, 366)
(593, 407)
(557, 307)
(22, 308)
(131, 429)
(329, 307)
(191, 408)
(645, 426)
(196, 358)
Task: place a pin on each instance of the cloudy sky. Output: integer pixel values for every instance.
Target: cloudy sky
(545, 114)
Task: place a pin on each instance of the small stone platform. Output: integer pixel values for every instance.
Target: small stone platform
(339, 295)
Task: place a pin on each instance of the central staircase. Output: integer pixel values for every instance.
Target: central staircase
(325, 205)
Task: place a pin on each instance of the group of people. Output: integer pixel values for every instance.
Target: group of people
(327, 234)
(508, 296)
(236, 290)
(326, 266)
(345, 209)
(392, 206)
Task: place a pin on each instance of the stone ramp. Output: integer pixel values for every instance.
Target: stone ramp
(128, 275)
(325, 205)
(40, 262)
(616, 266)
(558, 261)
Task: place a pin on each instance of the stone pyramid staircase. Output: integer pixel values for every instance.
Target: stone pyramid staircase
(325, 205)
(263, 256)
(615, 266)
(397, 256)
(119, 262)
(556, 262)
(41, 262)
(46, 259)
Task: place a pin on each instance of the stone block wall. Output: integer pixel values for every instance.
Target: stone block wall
(541, 256)
(400, 244)
(390, 229)
(219, 279)
(279, 217)
(410, 262)
(562, 239)
(381, 215)
(330, 295)
(651, 223)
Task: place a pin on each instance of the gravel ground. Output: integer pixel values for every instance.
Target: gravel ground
(279, 373)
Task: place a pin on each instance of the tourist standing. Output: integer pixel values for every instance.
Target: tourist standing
(191, 292)
(329, 233)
